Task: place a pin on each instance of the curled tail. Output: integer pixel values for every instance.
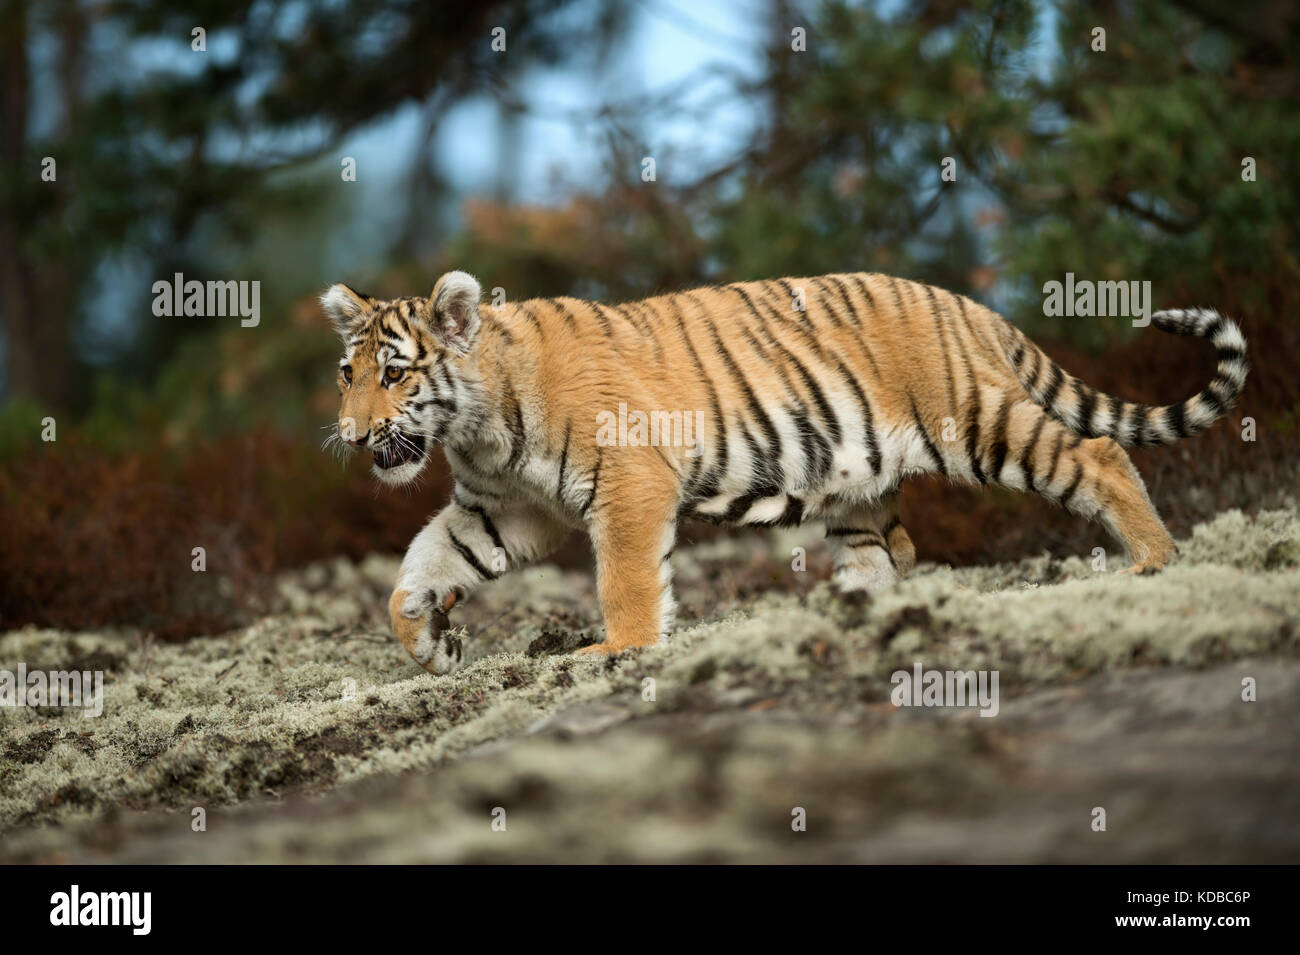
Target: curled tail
(1088, 412)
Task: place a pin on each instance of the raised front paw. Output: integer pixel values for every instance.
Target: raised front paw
(419, 620)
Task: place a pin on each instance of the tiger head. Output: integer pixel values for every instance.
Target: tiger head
(403, 376)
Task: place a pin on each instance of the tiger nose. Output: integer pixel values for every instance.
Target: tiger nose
(358, 440)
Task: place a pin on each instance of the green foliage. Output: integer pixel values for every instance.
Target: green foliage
(1122, 164)
(20, 427)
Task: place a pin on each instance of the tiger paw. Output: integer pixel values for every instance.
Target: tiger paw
(419, 621)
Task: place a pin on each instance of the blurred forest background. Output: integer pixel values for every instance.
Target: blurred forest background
(525, 168)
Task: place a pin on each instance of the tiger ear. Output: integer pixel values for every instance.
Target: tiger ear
(344, 306)
(455, 309)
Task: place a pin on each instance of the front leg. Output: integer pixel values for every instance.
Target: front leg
(471, 540)
(633, 536)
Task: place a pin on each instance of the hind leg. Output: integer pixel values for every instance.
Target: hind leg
(870, 547)
(1126, 509)
(1093, 478)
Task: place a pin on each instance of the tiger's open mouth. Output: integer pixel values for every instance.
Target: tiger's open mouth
(401, 449)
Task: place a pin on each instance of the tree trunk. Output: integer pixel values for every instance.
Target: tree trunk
(38, 361)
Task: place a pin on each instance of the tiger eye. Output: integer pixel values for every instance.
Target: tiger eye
(392, 372)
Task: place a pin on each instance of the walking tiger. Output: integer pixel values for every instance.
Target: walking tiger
(814, 397)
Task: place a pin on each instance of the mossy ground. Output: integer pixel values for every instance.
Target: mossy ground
(309, 736)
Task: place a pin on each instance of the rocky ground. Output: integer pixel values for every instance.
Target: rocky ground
(309, 736)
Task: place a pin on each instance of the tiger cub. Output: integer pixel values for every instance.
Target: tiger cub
(798, 399)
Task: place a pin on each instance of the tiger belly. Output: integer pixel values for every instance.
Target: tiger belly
(850, 481)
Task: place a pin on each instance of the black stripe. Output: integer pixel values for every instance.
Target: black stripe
(975, 328)
(477, 492)
(803, 326)
(764, 484)
(469, 557)
(737, 508)
(1056, 457)
(999, 447)
(534, 321)
(595, 476)
(819, 397)
(1211, 398)
(848, 531)
(568, 316)
(1053, 386)
(1175, 418)
(627, 316)
(1087, 404)
(488, 526)
(816, 452)
(600, 317)
(1025, 464)
(848, 302)
(1116, 414)
(720, 465)
(515, 422)
(898, 296)
(749, 303)
(869, 539)
(941, 329)
(1030, 379)
(793, 514)
(873, 446)
(501, 330)
(858, 339)
(564, 459)
(466, 464)
(651, 319)
(435, 400)
(861, 283)
(925, 436)
(755, 409)
(973, 424)
(824, 295)
(1074, 486)
(789, 289)
(1140, 416)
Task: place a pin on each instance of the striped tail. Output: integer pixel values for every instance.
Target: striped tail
(1088, 412)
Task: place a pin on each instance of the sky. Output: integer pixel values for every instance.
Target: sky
(667, 41)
